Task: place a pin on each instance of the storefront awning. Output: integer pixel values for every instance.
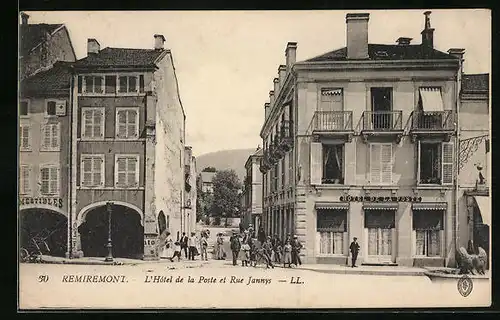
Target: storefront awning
(484, 204)
(380, 206)
(332, 205)
(429, 206)
(431, 99)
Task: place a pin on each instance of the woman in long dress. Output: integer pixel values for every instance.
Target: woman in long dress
(220, 247)
(167, 251)
(287, 254)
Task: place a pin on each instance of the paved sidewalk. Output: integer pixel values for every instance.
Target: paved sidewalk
(367, 270)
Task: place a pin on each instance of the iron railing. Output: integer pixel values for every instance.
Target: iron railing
(432, 120)
(382, 120)
(332, 121)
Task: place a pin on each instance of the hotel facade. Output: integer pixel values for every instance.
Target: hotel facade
(361, 142)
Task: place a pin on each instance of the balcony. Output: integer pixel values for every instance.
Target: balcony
(382, 124)
(432, 124)
(286, 136)
(265, 163)
(332, 123)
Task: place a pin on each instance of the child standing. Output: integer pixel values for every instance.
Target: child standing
(177, 251)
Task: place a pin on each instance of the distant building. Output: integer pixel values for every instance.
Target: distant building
(206, 181)
(365, 138)
(474, 163)
(189, 215)
(128, 131)
(41, 45)
(251, 209)
(44, 150)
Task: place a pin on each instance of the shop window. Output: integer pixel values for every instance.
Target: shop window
(331, 227)
(427, 227)
(379, 224)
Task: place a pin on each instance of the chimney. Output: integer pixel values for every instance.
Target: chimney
(290, 54)
(428, 32)
(282, 74)
(276, 85)
(271, 98)
(24, 18)
(266, 109)
(402, 41)
(93, 46)
(159, 41)
(459, 54)
(357, 35)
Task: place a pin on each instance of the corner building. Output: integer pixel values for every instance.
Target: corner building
(127, 151)
(361, 142)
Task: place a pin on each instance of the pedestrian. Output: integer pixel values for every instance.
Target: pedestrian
(277, 249)
(296, 246)
(354, 248)
(177, 251)
(184, 244)
(267, 250)
(242, 228)
(235, 247)
(245, 247)
(261, 235)
(204, 246)
(167, 248)
(192, 246)
(287, 254)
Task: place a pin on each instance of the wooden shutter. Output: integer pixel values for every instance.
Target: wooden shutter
(418, 161)
(44, 180)
(54, 180)
(121, 174)
(375, 163)
(98, 119)
(316, 162)
(25, 181)
(121, 123)
(46, 136)
(25, 140)
(86, 176)
(132, 124)
(132, 168)
(87, 123)
(386, 163)
(55, 136)
(98, 171)
(447, 163)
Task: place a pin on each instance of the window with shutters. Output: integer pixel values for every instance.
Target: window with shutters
(381, 163)
(51, 137)
(333, 164)
(49, 180)
(316, 163)
(24, 107)
(127, 123)
(25, 179)
(92, 123)
(435, 163)
(126, 171)
(92, 170)
(25, 137)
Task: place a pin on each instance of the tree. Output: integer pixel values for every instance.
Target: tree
(203, 201)
(209, 169)
(226, 199)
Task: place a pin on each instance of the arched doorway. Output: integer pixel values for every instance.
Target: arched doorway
(162, 222)
(127, 233)
(44, 225)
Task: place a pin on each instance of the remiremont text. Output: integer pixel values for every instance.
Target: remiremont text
(94, 278)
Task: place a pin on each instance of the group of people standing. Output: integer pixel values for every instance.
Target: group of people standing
(272, 250)
(191, 247)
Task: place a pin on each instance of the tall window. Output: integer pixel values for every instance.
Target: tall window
(127, 123)
(126, 171)
(332, 227)
(333, 169)
(93, 122)
(24, 179)
(49, 179)
(92, 171)
(381, 163)
(379, 224)
(427, 226)
(93, 84)
(24, 108)
(435, 163)
(25, 137)
(128, 84)
(51, 137)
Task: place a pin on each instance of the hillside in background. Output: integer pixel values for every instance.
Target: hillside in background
(225, 159)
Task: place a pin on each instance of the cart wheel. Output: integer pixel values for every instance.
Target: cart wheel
(24, 255)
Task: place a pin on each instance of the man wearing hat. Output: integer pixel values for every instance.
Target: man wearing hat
(296, 246)
(235, 247)
(354, 248)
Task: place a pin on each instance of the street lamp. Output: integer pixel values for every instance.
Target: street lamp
(109, 257)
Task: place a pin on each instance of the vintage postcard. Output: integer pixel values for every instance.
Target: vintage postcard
(254, 159)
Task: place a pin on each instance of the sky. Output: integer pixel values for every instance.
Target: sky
(226, 60)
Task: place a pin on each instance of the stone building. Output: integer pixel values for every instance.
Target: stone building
(189, 215)
(251, 206)
(127, 152)
(361, 142)
(41, 45)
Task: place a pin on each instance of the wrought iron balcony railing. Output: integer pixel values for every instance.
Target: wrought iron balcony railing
(382, 120)
(332, 121)
(432, 120)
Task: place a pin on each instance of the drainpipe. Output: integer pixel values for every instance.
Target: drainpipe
(457, 158)
(70, 205)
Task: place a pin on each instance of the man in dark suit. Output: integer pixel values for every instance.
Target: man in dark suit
(235, 247)
(354, 248)
(184, 244)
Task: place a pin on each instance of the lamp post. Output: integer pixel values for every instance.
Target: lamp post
(109, 257)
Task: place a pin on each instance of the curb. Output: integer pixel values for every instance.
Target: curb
(368, 272)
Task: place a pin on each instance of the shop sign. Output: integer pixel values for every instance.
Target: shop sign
(56, 202)
(379, 199)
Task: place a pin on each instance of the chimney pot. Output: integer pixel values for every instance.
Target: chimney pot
(24, 18)
(357, 35)
(290, 54)
(459, 54)
(159, 41)
(282, 74)
(276, 82)
(266, 109)
(403, 41)
(93, 46)
(271, 98)
(428, 32)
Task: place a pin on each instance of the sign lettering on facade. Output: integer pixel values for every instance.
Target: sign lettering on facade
(379, 199)
(56, 202)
